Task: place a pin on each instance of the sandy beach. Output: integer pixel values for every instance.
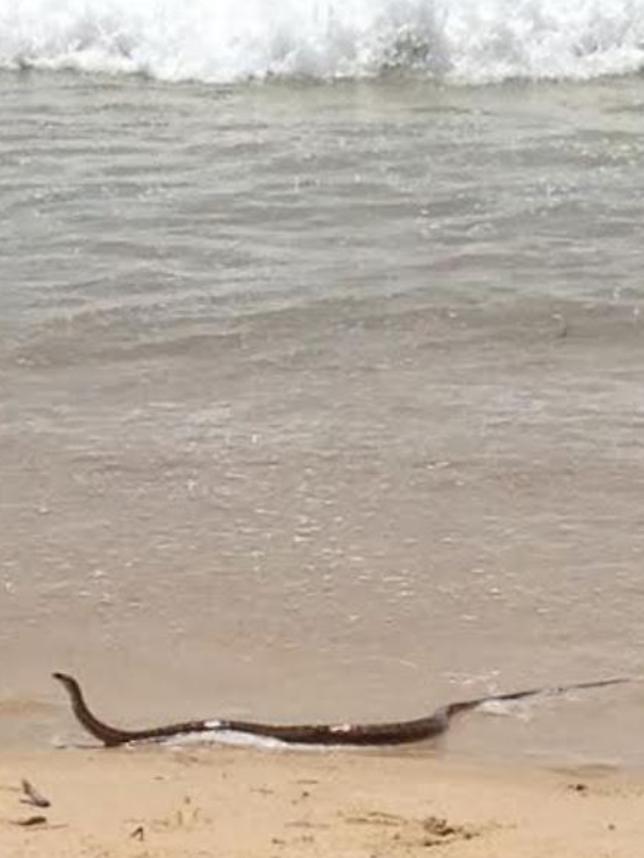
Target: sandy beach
(199, 801)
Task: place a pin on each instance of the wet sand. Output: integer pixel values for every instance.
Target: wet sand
(192, 803)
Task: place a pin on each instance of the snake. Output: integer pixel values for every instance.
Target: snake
(357, 734)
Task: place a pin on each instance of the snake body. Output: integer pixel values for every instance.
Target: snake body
(386, 733)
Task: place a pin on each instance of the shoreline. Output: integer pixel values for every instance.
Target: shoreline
(198, 801)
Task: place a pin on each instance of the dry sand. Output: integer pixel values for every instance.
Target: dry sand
(180, 803)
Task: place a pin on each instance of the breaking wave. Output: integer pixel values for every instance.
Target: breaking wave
(224, 41)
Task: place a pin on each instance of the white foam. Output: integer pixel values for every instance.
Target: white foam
(226, 737)
(245, 740)
(238, 738)
(465, 41)
(520, 709)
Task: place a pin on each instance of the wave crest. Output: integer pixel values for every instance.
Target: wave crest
(459, 41)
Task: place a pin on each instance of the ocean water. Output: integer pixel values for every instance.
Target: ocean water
(321, 364)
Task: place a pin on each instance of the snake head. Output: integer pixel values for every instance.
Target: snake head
(68, 681)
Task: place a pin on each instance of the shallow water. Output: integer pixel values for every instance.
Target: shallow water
(322, 401)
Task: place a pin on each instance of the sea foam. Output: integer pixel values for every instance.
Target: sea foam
(225, 41)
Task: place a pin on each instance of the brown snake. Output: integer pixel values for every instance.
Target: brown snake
(392, 733)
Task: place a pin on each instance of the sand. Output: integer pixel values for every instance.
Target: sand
(192, 801)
